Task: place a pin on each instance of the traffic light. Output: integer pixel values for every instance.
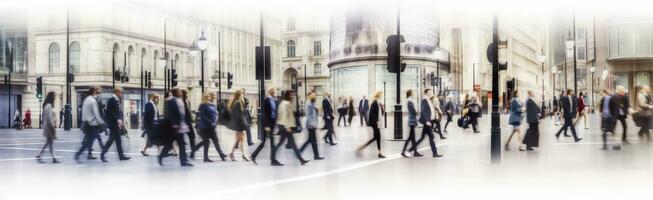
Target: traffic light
(71, 77)
(39, 87)
(148, 80)
(173, 77)
(490, 55)
(395, 63)
(230, 80)
(117, 76)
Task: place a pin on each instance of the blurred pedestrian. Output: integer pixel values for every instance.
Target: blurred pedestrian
(363, 108)
(342, 110)
(581, 110)
(189, 118)
(428, 114)
(448, 112)
(311, 125)
(644, 112)
(327, 108)
(376, 122)
(621, 99)
(49, 126)
(115, 122)
(207, 124)
(287, 122)
(533, 112)
(175, 128)
(27, 120)
(609, 109)
(92, 121)
(568, 105)
(248, 116)
(515, 120)
(150, 118)
(351, 112)
(412, 123)
(269, 121)
(238, 122)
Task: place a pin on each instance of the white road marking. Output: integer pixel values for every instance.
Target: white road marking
(19, 159)
(55, 142)
(312, 176)
(59, 150)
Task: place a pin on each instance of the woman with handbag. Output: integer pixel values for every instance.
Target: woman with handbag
(287, 123)
(375, 121)
(238, 123)
(644, 112)
(49, 126)
(516, 110)
(208, 121)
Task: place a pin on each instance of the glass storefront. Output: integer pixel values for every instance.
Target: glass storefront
(409, 80)
(350, 81)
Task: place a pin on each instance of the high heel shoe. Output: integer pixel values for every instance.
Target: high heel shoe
(39, 160)
(245, 159)
(231, 156)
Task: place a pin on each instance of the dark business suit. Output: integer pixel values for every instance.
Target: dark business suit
(113, 115)
(174, 117)
(248, 116)
(609, 117)
(532, 117)
(328, 121)
(269, 120)
(412, 122)
(189, 121)
(424, 117)
(621, 114)
(569, 105)
(148, 121)
(363, 108)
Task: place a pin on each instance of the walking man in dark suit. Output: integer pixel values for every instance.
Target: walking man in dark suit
(269, 121)
(328, 117)
(150, 116)
(569, 105)
(621, 99)
(116, 124)
(363, 109)
(609, 109)
(532, 138)
(175, 116)
(426, 118)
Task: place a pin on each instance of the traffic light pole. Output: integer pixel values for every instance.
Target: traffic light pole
(219, 73)
(68, 122)
(202, 66)
(261, 94)
(495, 137)
(398, 114)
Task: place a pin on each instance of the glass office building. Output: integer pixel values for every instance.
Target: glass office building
(358, 55)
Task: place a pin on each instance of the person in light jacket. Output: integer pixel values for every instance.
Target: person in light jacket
(287, 122)
(645, 111)
(92, 121)
(49, 126)
(516, 110)
(311, 125)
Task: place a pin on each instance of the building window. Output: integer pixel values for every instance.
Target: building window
(291, 24)
(74, 57)
(317, 69)
(580, 53)
(319, 90)
(317, 48)
(291, 48)
(53, 58)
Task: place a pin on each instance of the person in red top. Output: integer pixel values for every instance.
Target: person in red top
(27, 120)
(581, 110)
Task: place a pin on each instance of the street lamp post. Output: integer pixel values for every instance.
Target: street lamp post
(385, 116)
(495, 135)
(592, 70)
(219, 73)
(68, 123)
(542, 59)
(200, 46)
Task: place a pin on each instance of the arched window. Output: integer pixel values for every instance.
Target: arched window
(317, 69)
(155, 67)
(291, 48)
(74, 57)
(53, 58)
(130, 60)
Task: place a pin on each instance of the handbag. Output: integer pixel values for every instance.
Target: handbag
(224, 117)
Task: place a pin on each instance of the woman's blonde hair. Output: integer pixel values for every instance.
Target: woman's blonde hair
(238, 95)
(377, 95)
(207, 97)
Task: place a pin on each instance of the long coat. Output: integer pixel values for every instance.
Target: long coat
(49, 123)
(238, 121)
